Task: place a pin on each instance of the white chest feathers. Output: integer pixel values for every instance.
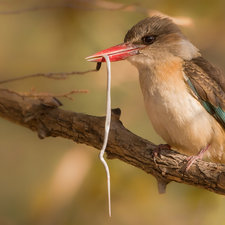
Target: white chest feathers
(175, 114)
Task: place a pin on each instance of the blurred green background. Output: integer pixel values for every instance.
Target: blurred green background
(56, 181)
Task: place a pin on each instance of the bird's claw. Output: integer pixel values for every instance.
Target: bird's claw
(191, 159)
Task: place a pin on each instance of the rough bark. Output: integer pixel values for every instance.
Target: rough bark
(122, 144)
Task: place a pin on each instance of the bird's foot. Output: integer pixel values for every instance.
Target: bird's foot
(156, 151)
(191, 159)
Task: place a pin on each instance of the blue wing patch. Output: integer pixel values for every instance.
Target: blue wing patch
(217, 113)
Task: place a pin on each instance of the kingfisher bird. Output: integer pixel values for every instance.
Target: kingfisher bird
(184, 94)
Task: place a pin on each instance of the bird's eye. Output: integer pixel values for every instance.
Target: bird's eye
(148, 39)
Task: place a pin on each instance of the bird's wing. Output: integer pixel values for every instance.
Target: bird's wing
(208, 84)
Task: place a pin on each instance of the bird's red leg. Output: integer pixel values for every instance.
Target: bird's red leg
(190, 160)
(156, 151)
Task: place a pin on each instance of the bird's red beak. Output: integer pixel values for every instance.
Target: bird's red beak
(116, 53)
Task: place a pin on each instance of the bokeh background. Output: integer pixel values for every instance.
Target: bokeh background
(58, 182)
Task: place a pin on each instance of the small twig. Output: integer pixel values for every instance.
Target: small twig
(56, 76)
(37, 8)
(66, 95)
(99, 5)
(10, 91)
(46, 94)
(35, 95)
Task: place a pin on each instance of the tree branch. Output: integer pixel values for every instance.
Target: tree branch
(122, 144)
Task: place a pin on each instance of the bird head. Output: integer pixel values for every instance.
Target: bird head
(154, 38)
